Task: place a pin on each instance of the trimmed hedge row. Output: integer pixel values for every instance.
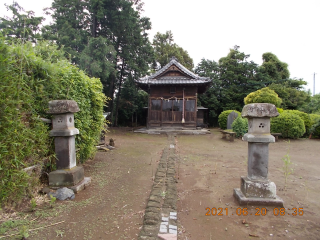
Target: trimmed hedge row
(289, 124)
(305, 117)
(315, 128)
(31, 76)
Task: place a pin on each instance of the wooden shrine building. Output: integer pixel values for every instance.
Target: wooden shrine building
(173, 94)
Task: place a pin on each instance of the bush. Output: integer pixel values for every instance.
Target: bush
(264, 95)
(289, 124)
(240, 126)
(315, 129)
(280, 110)
(30, 78)
(305, 117)
(223, 118)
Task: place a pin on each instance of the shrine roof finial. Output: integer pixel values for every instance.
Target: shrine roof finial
(174, 58)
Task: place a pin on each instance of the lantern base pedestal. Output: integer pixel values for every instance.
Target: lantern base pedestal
(243, 200)
(66, 177)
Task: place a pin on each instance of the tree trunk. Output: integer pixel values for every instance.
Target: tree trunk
(136, 118)
(111, 94)
(118, 96)
(94, 26)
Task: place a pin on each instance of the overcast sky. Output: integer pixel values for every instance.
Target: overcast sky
(209, 28)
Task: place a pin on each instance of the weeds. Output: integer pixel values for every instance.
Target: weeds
(59, 233)
(163, 194)
(33, 205)
(286, 166)
(24, 232)
(52, 201)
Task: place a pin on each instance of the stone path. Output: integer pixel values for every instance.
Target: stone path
(160, 220)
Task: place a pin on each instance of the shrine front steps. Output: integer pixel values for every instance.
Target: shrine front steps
(183, 131)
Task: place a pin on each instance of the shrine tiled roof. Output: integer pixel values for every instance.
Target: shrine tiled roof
(189, 77)
(172, 80)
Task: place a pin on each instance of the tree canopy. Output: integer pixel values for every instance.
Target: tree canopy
(165, 48)
(106, 38)
(212, 97)
(291, 93)
(234, 77)
(238, 78)
(22, 25)
(274, 68)
(313, 106)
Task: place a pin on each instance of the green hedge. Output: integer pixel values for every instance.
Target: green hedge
(30, 78)
(264, 95)
(280, 110)
(223, 118)
(305, 117)
(315, 130)
(289, 124)
(240, 126)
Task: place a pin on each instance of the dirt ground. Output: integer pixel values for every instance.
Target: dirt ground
(208, 170)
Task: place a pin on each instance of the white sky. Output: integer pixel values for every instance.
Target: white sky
(209, 28)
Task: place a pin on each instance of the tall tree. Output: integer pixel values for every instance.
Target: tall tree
(165, 48)
(211, 98)
(238, 78)
(131, 104)
(292, 93)
(119, 23)
(22, 25)
(233, 78)
(274, 68)
(129, 37)
(97, 60)
(71, 26)
(312, 107)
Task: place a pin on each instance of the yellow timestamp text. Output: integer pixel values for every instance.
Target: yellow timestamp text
(257, 212)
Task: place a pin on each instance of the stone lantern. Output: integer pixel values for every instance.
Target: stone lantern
(68, 174)
(256, 188)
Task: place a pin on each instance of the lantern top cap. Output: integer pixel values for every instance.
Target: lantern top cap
(259, 110)
(63, 106)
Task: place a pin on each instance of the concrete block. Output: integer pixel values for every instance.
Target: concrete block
(173, 227)
(165, 219)
(81, 185)
(66, 177)
(173, 214)
(258, 189)
(244, 201)
(163, 228)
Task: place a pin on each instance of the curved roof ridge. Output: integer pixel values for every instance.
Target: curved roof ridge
(179, 65)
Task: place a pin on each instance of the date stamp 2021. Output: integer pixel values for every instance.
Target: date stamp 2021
(258, 212)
